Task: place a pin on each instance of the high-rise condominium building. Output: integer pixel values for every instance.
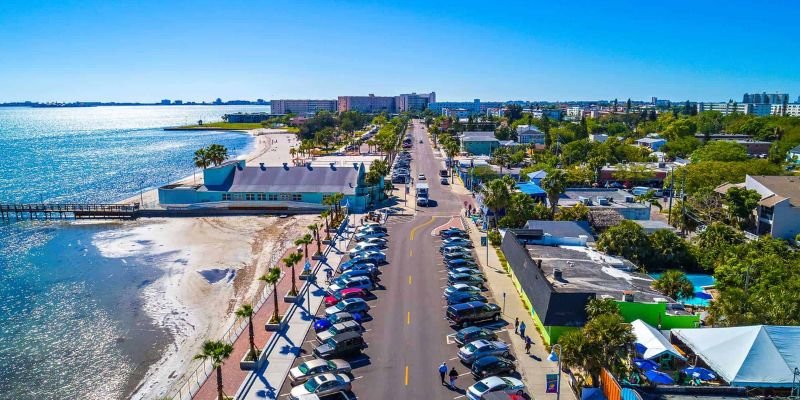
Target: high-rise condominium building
(302, 107)
(368, 104)
(764, 98)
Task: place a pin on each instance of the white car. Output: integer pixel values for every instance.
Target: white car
(355, 282)
(378, 241)
(507, 384)
(421, 177)
(369, 235)
(311, 368)
(322, 385)
(363, 248)
(377, 257)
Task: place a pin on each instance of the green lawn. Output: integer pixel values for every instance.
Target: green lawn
(225, 125)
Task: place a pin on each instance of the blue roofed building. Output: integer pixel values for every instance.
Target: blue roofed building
(533, 190)
(537, 176)
(233, 185)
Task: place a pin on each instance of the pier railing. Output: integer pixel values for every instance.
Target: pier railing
(67, 210)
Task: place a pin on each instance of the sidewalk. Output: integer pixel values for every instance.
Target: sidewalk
(535, 366)
(281, 351)
(232, 375)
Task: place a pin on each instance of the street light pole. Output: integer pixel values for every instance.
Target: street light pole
(557, 357)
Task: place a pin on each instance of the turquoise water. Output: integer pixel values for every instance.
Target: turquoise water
(699, 281)
(71, 320)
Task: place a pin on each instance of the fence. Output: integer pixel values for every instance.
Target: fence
(196, 377)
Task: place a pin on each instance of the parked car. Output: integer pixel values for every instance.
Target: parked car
(459, 297)
(465, 270)
(354, 262)
(457, 241)
(460, 288)
(469, 279)
(378, 241)
(473, 333)
(469, 313)
(454, 248)
(495, 384)
(468, 262)
(492, 366)
(364, 248)
(375, 257)
(450, 255)
(371, 273)
(321, 385)
(322, 324)
(373, 227)
(341, 345)
(369, 234)
(401, 179)
(343, 294)
(311, 368)
(452, 232)
(341, 327)
(482, 348)
(356, 282)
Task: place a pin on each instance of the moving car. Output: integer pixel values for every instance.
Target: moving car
(460, 288)
(492, 366)
(444, 181)
(322, 324)
(458, 298)
(470, 279)
(495, 384)
(469, 313)
(336, 329)
(344, 294)
(421, 177)
(356, 282)
(341, 345)
(311, 368)
(473, 333)
(482, 348)
(321, 385)
(422, 201)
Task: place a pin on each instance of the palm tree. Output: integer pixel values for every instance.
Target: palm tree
(336, 200)
(650, 198)
(201, 159)
(271, 278)
(314, 228)
(674, 284)
(290, 262)
(554, 184)
(246, 311)
(304, 241)
(217, 352)
(217, 153)
(372, 180)
(496, 196)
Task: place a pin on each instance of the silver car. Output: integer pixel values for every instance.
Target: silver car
(322, 385)
(342, 327)
(311, 368)
(482, 348)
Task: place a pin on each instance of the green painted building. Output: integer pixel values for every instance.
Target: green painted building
(479, 143)
(556, 282)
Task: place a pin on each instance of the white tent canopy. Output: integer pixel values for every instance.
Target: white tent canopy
(751, 356)
(655, 343)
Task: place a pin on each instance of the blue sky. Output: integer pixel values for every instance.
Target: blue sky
(554, 50)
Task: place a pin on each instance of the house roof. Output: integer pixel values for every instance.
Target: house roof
(796, 149)
(602, 219)
(784, 186)
(656, 345)
(650, 140)
(572, 229)
(305, 179)
(479, 139)
(722, 189)
(530, 188)
(540, 174)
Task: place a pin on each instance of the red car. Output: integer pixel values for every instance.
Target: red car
(345, 294)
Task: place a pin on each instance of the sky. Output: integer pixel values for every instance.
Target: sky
(97, 50)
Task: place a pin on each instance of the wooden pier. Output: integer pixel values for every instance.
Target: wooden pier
(44, 211)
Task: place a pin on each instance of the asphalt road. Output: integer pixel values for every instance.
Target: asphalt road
(407, 334)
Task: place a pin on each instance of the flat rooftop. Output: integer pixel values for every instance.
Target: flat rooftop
(616, 198)
(586, 270)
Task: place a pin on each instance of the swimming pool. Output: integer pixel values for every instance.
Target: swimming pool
(699, 281)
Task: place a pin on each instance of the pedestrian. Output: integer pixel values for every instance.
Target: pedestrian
(453, 377)
(516, 325)
(328, 274)
(522, 329)
(443, 372)
(527, 345)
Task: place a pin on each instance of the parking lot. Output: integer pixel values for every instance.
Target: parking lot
(406, 332)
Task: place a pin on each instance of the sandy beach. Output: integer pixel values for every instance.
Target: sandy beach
(210, 267)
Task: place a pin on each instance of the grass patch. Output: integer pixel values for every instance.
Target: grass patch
(225, 126)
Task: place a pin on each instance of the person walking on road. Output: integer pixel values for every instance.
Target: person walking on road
(527, 345)
(522, 329)
(453, 377)
(443, 372)
(516, 325)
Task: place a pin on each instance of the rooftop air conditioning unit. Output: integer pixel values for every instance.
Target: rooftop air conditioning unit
(629, 199)
(602, 201)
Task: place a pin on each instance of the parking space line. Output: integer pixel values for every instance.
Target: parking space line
(465, 373)
(454, 358)
(458, 397)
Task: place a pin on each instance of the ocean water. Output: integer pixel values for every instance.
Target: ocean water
(71, 320)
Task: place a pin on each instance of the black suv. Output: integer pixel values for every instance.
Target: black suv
(465, 314)
(341, 345)
(492, 366)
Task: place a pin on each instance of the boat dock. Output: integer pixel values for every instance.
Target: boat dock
(45, 211)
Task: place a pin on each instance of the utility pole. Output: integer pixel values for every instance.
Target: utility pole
(671, 194)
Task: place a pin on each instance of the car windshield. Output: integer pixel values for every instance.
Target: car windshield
(333, 330)
(471, 348)
(303, 368)
(481, 387)
(331, 365)
(311, 385)
(338, 295)
(341, 305)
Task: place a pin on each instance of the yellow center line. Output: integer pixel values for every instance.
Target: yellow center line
(409, 279)
(408, 318)
(414, 229)
(410, 253)
(406, 375)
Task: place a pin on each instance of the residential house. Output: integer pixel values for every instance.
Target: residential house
(778, 211)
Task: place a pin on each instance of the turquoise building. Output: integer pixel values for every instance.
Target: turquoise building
(234, 185)
(479, 145)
